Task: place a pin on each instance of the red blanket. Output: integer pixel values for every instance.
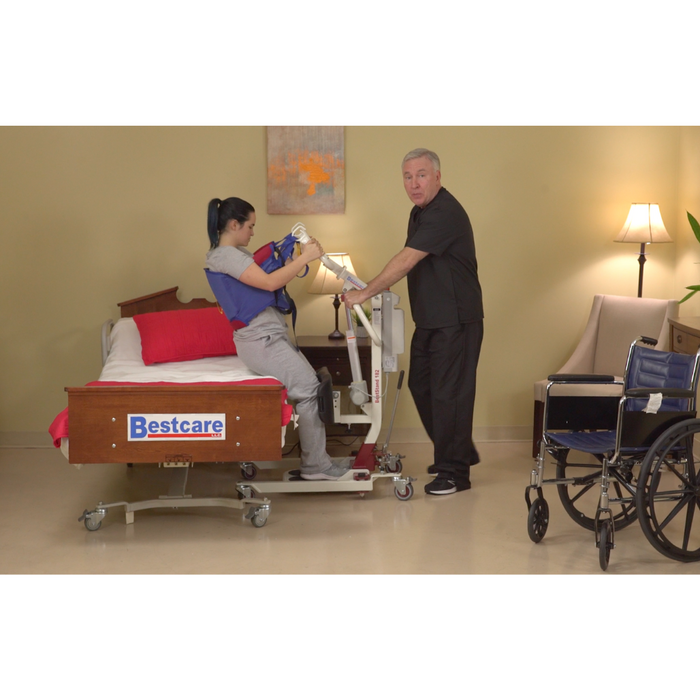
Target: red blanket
(59, 428)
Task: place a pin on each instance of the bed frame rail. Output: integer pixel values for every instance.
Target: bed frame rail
(99, 423)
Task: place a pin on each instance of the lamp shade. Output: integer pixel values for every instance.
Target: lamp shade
(325, 281)
(643, 225)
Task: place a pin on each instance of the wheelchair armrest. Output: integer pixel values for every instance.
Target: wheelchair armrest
(324, 396)
(582, 378)
(666, 392)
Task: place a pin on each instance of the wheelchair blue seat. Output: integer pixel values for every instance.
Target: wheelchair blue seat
(596, 443)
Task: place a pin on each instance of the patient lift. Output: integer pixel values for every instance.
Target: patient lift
(386, 331)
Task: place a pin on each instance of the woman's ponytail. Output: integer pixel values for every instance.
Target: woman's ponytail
(213, 222)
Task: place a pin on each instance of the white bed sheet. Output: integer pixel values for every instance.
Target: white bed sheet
(125, 364)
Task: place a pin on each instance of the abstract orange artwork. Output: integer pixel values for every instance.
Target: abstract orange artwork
(305, 170)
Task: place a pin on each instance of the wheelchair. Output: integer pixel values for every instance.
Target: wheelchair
(638, 461)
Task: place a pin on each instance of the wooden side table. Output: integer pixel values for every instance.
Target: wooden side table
(321, 351)
(685, 334)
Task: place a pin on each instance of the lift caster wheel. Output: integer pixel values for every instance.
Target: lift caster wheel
(538, 520)
(405, 493)
(395, 468)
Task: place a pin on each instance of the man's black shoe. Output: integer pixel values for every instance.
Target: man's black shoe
(443, 487)
(434, 470)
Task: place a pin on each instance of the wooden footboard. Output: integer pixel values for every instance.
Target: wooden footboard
(100, 427)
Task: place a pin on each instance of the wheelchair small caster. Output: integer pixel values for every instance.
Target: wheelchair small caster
(538, 520)
(605, 544)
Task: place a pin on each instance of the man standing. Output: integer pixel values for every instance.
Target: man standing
(439, 259)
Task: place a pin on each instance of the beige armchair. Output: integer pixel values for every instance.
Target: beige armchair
(612, 326)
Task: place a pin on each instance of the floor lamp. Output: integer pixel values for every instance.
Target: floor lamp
(326, 282)
(644, 226)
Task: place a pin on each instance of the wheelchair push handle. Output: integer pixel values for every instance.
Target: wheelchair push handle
(648, 341)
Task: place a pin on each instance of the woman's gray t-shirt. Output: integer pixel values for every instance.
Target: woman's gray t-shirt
(235, 261)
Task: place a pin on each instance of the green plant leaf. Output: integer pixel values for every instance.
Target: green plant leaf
(694, 289)
(694, 225)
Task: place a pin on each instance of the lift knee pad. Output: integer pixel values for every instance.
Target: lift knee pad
(324, 396)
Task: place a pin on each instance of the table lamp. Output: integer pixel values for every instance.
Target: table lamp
(326, 282)
(644, 225)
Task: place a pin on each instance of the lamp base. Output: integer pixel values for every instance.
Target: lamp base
(336, 334)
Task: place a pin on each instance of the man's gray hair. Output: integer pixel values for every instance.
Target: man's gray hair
(419, 153)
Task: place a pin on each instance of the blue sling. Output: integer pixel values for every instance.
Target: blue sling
(240, 302)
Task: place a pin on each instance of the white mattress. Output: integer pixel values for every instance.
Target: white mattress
(124, 363)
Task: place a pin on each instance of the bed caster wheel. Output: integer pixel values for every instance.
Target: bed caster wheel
(248, 471)
(259, 519)
(91, 523)
(538, 520)
(244, 491)
(405, 493)
(605, 544)
(258, 516)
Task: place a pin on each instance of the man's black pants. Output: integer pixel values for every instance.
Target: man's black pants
(442, 380)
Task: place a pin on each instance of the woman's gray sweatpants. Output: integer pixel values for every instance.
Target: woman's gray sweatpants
(275, 356)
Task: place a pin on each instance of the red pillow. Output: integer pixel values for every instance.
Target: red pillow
(191, 334)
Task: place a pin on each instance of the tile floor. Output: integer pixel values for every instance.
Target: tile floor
(367, 635)
(482, 531)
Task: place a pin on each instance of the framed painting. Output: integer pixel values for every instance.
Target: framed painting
(305, 170)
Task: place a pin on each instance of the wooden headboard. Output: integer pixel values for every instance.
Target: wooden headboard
(160, 301)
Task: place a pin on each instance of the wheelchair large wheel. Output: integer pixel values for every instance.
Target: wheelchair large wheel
(668, 497)
(580, 499)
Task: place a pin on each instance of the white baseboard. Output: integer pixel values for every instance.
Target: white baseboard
(25, 439)
(499, 433)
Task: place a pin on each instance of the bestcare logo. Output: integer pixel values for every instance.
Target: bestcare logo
(180, 426)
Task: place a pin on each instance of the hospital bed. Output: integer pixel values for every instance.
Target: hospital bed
(241, 415)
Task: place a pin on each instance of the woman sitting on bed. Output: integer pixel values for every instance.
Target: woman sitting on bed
(264, 343)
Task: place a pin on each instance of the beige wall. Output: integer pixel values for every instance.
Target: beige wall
(94, 215)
